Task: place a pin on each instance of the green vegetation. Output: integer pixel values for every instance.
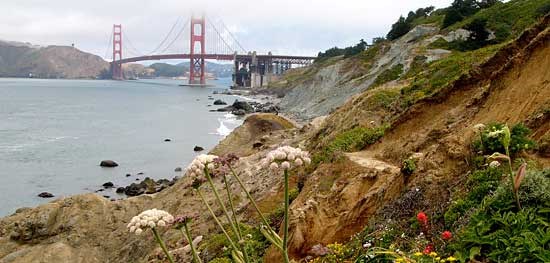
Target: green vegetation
(442, 72)
(346, 52)
(167, 70)
(489, 144)
(508, 19)
(217, 246)
(408, 167)
(351, 140)
(388, 75)
(497, 230)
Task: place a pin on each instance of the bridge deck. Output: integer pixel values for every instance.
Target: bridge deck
(273, 58)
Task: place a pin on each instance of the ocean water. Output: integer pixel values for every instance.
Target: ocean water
(54, 133)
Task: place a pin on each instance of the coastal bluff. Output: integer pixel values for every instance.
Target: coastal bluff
(89, 228)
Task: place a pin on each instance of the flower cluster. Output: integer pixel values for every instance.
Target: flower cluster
(494, 164)
(479, 127)
(284, 157)
(149, 219)
(200, 162)
(181, 220)
(226, 160)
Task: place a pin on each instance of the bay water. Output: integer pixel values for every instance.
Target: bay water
(54, 133)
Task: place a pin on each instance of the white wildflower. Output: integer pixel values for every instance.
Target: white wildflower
(479, 127)
(495, 134)
(494, 164)
(199, 163)
(284, 157)
(149, 219)
(367, 245)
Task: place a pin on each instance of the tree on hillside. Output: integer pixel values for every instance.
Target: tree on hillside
(461, 9)
(404, 25)
(400, 28)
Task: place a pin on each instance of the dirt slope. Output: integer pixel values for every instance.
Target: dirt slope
(511, 87)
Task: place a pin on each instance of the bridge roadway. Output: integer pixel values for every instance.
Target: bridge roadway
(303, 60)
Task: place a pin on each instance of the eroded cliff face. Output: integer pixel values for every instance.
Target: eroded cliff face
(341, 198)
(331, 84)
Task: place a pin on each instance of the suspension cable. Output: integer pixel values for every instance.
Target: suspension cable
(177, 36)
(166, 37)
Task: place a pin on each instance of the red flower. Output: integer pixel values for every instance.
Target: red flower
(422, 218)
(429, 249)
(446, 235)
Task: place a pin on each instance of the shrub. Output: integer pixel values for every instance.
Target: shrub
(519, 140)
(408, 167)
(390, 74)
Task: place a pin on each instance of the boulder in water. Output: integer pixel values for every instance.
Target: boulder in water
(45, 195)
(108, 163)
(178, 169)
(219, 102)
(167, 140)
(198, 149)
(108, 185)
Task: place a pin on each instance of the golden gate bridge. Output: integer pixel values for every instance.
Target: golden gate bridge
(198, 39)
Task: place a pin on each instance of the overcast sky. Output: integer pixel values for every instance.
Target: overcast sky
(298, 27)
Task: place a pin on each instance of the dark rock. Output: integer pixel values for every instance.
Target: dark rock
(239, 112)
(140, 173)
(210, 98)
(242, 105)
(224, 109)
(137, 179)
(106, 196)
(198, 149)
(108, 185)
(108, 163)
(120, 190)
(134, 190)
(128, 175)
(178, 169)
(167, 140)
(220, 102)
(45, 195)
(99, 190)
(257, 145)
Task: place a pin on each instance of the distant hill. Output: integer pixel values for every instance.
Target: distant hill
(24, 59)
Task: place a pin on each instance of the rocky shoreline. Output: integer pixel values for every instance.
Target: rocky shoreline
(252, 103)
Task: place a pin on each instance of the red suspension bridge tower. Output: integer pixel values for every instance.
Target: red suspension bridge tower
(196, 66)
(116, 69)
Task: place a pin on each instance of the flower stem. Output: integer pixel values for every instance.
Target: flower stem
(231, 243)
(236, 220)
(264, 220)
(190, 239)
(512, 177)
(285, 237)
(162, 245)
(231, 206)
